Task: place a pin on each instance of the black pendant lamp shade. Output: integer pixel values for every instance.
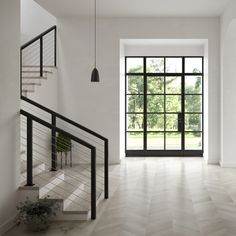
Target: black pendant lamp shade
(95, 74)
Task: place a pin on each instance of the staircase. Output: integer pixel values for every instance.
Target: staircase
(31, 78)
(77, 178)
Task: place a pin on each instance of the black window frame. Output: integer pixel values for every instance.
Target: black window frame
(145, 74)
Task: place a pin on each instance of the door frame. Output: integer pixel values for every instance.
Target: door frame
(165, 153)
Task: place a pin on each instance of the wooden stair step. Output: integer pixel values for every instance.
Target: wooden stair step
(31, 83)
(36, 71)
(34, 77)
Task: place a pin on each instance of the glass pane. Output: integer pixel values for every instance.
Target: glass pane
(193, 122)
(171, 122)
(134, 140)
(155, 141)
(134, 65)
(155, 85)
(174, 65)
(135, 84)
(193, 84)
(155, 103)
(135, 103)
(193, 103)
(173, 141)
(173, 103)
(155, 122)
(193, 65)
(173, 85)
(193, 141)
(135, 122)
(155, 65)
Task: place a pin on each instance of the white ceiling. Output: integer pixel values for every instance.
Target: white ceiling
(132, 8)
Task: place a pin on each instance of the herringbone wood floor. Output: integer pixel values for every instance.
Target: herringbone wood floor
(161, 197)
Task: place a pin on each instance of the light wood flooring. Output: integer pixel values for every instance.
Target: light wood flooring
(160, 197)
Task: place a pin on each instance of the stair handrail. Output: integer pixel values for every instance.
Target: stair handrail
(55, 115)
(30, 119)
(106, 141)
(66, 119)
(40, 39)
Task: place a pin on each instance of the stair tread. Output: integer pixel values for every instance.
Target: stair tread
(36, 71)
(76, 212)
(32, 83)
(26, 91)
(34, 77)
(37, 66)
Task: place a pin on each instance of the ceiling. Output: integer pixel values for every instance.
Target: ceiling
(135, 8)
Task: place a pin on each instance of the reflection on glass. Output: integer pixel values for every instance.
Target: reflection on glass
(135, 122)
(173, 103)
(155, 65)
(135, 84)
(173, 85)
(155, 141)
(193, 141)
(193, 84)
(155, 85)
(171, 122)
(174, 65)
(173, 141)
(134, 65)
(193, 103)
(155, 122)
(193, 65)
(155, 103)
(135, 103)
(193, 122)
(134, 140)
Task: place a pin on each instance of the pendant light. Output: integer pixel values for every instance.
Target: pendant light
(95, 74)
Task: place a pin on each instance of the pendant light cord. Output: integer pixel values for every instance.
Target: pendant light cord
(95, 33)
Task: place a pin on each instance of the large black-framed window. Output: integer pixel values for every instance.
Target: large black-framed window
(164, 106)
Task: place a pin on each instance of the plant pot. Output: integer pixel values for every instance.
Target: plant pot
(37, 224)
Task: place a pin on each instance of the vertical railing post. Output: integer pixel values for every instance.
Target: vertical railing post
(93, 183)
(21, 63)
(41, 56)
(55, 47)
(106, 169)
(53, 145)
(29, 181)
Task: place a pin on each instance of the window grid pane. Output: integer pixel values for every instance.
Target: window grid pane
(164, 105)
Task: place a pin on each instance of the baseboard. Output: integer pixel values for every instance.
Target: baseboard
(7, 225)
(224, 164)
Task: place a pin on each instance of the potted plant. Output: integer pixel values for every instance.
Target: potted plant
(36, 214)
(64, 145)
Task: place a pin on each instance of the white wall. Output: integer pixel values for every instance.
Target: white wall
(9, 105)
(96, 105)
(34, 20)
(122, 100)
(164, 50)
(228, 85)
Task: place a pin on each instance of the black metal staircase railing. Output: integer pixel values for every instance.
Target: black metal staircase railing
(37, 61)
(36, 47)
(30, 119)
(54, 116)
